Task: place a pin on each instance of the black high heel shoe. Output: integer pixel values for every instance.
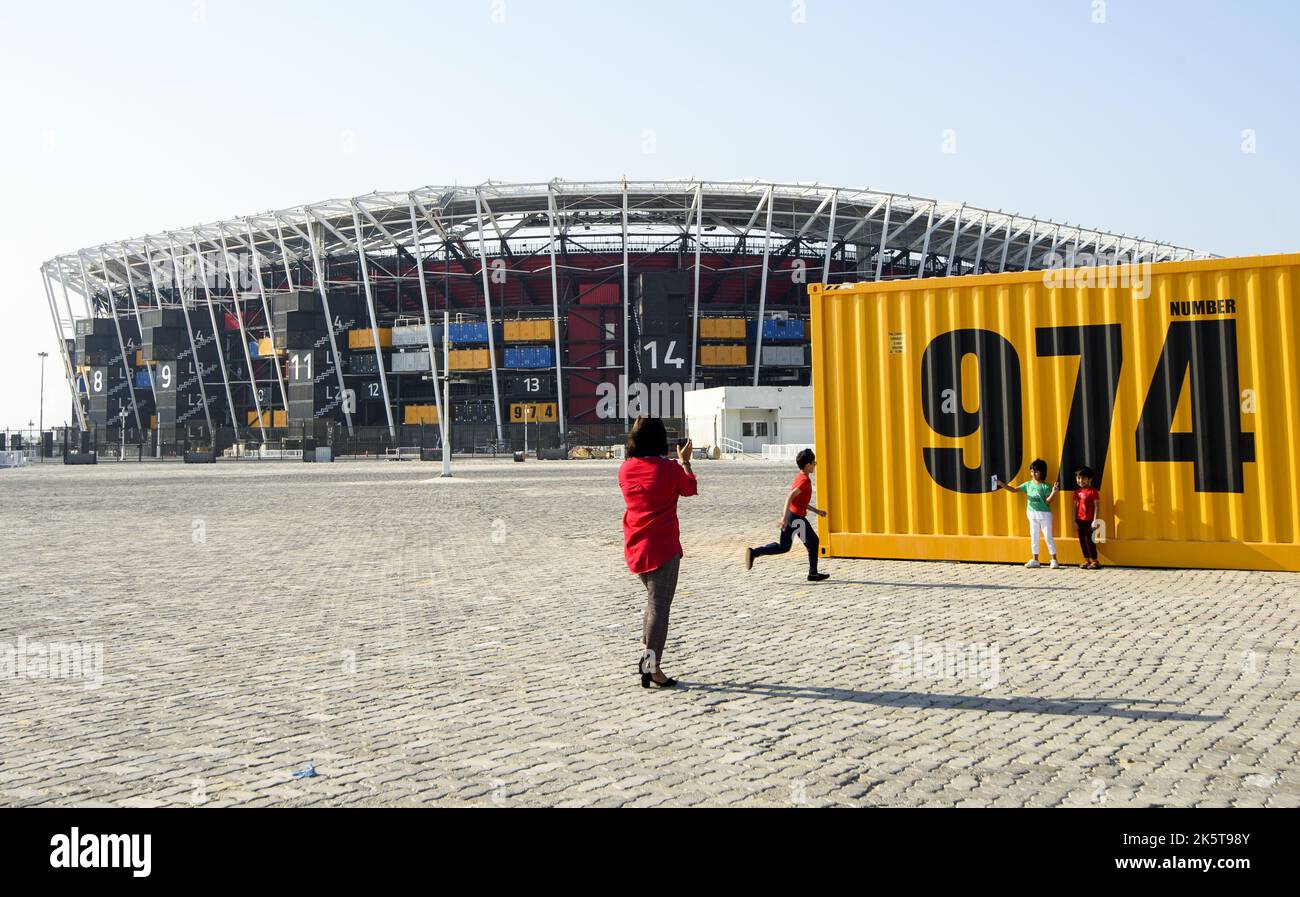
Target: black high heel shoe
(647, 679)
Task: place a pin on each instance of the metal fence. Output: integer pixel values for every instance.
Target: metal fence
(118, 443)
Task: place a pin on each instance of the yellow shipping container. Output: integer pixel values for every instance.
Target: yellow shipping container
(362, 338)
(532, 412)
(739, 355)
(528, 331)
(266, 348)
(722, 328)
(272, 418)
(1177, 383)
(420, 414)
(469, 359)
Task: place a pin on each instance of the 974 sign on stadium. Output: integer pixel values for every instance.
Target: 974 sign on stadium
(1175, 383)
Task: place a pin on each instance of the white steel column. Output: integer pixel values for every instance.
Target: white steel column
(121, 344)
(626, 326)
(956, 234)
(979, 247)
(925, 243)
(135, 305)
(1006, 245)
(695, 313)
(270, 327)
(130, 285)
(284, 250)
(428, 333)
(374, 325)
(216, 337)
(830, 238)
(762, 287)
(189, 327)
(69, 369)
(487, 307)
(1029, 249)
(555, 318)
(243, 341)
(446, 396)
(319, 276)
(67, 303)
(884, 237)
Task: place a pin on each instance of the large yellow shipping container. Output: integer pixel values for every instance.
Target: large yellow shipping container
(420, 414)
(533, 331)
(362, 338)
(722, 328)
(1178, 383)
(469, 360)
(272, 418)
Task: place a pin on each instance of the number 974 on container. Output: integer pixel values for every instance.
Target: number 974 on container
(1176, 383)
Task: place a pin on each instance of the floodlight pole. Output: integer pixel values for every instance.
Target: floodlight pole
(40, 427)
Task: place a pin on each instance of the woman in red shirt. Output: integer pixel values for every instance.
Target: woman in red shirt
(652, 545)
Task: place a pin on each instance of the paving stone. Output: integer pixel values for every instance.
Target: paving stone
(431, 642)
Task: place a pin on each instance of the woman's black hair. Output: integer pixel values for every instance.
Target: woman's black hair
(1085, 472)
(647, 438)
(804, 458)
(1040, 465)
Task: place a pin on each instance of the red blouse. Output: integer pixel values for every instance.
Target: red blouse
(651, 486)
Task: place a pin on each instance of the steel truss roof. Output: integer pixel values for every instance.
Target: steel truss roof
(497, 219)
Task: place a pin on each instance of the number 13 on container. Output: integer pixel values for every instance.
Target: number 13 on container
(1177, 383)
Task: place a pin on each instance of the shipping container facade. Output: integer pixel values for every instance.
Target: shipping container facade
(1178, 383)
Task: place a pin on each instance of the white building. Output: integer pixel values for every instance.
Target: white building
(750, 416)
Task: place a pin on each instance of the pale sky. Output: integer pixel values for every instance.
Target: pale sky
(1165, 120)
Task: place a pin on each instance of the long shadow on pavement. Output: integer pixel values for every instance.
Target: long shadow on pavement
(940, 585)
(932, 700)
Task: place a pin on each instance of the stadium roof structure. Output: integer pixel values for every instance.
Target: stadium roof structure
(497, 219)
(837, 233)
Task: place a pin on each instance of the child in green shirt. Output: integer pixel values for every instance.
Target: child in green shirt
(1039, 510)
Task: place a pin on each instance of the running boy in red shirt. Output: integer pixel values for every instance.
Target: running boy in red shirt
(794, 519)
(1085, 512)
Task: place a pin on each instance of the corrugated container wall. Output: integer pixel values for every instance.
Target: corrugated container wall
(1178, 383)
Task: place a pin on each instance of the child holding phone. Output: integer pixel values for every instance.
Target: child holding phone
(1039, 510)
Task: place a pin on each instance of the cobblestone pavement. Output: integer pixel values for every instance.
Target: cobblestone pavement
(473, 641)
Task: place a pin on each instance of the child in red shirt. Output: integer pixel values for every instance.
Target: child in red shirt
(1085, 512)
(794, 519)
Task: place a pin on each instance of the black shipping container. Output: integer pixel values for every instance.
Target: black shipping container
(162, 317)
(295, 301)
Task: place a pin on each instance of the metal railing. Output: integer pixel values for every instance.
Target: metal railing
(783, 452)
(730, 446)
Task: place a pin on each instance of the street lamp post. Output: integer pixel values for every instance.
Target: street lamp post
(40, 433)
